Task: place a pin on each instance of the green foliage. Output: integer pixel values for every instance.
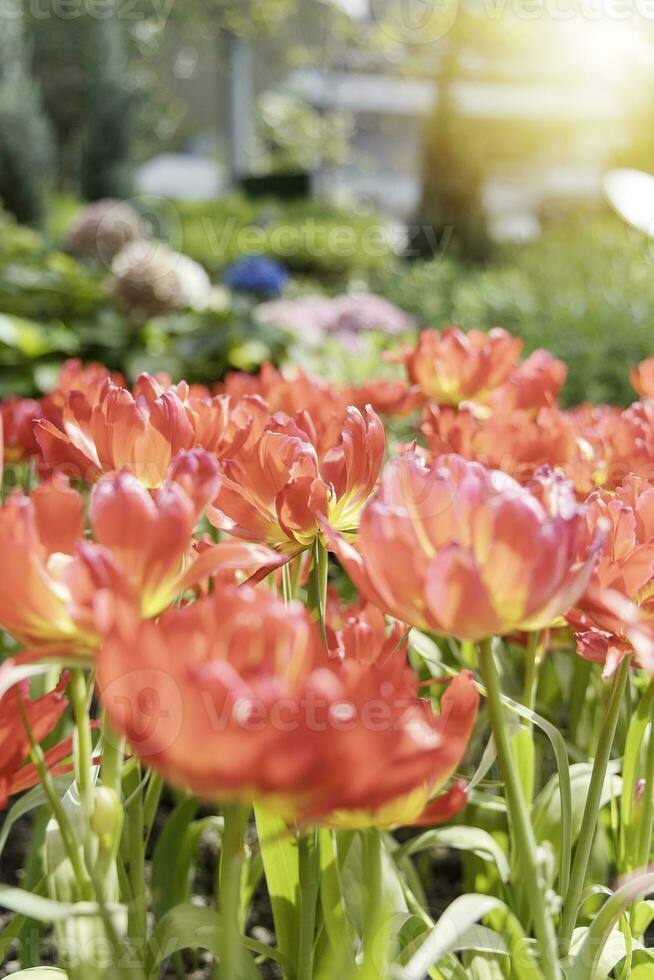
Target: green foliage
(311, 238)
(53, 307)
(293, 135)
(584, 291)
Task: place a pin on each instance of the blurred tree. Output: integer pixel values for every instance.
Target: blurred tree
(453, 173)
(106, 152)
(24, 134)
(80, 63)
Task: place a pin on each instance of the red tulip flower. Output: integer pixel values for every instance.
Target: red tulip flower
(38, 537)
(454, 366)
(313, 403)
(619, 602)
(535, 384)
(17, 417)
(42, 715)
(235, 697)
(464, 551)
(642, 378)
(278, 489)
(59, 590)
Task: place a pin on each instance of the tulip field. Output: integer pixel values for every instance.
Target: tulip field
(318, 681)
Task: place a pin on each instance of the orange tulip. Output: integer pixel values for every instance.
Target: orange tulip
(642, 378)
(223, 424)
(17, 416)
(59, 590)
(453, 366)
(513, 441)
(142, 432)
(594, 445)
(535, 384)
(603, 619)
(147, 537)
(38, 536)
(464, 551)
(88, 379)
(317, 406)
(387, 397)
(277, 489)
(42, 716)
(234, 696)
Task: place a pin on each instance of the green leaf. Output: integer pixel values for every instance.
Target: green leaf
(337, 925)
(641, 915)
(613, 952)
(30, 801)
(485, 765)
(190, 927)
(425, 648)
(642, 971)
(586, 960)
(546, 814)
(46, 909)
(30, 339)
(280, 861)
(630, 769)
(480, 939)
(41, 973)
(170, 863)
(453, 925)
(472, 839)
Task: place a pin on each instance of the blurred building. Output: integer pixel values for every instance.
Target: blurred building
(578, 116)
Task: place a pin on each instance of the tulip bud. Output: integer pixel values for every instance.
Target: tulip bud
(107, 819)
(107, 823)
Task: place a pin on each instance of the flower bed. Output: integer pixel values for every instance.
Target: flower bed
(298, 639)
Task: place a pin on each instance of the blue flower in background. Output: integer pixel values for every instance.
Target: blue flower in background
(257, 274)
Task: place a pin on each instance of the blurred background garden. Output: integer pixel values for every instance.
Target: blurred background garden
(204, 186)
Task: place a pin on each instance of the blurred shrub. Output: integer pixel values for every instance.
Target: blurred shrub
(309, 237)
(52, 307)
(585, 291)
(42, 284)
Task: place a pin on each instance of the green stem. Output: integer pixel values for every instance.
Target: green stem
(317, 589)
(647, 812)
(309, 860)
(522, 831)
(230, 876)
(67, 835)
(577, 700)
(592, 807)
(151, 805)
(83, 740)
(372, 877)
(113, 751)
(533, 662)
(137, 920)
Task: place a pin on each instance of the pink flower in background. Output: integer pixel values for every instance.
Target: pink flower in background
(313, 317)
